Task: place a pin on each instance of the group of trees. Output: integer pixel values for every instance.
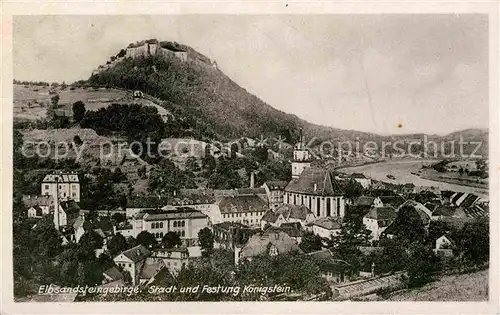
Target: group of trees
(168, 178)
(41, 258)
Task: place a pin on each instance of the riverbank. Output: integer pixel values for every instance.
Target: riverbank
(456, 181)
(401, 173)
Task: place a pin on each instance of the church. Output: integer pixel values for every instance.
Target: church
(313, 187)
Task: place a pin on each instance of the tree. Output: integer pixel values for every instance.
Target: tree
(91, 240)
(118, 217)
(473, 242)
(169, 178)
(310, 242)
(352, 189)
(55, 100)
(78, 111)
(422, 264)
(117, 244)
(171, 240)
(146, 239)
(345, 245)
(206, 239)
(408, 225)
(47, 239)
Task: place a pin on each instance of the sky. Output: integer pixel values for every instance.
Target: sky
(388, 74)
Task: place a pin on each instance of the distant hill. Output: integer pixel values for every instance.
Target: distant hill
(207, 104)
(198, 92)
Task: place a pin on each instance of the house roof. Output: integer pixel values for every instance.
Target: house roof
(62, 178)
(78, 222)
(326, 260)
(328, 223)
(137, 253)
(100, 233)
(276, 184)
(288, 212)
(247, 203)
(315, 181)
(219, 193)
(70, 207)
(113, 273)
(148, 201)
(447, 236)
(444, 210)
(366, 201)
(424, 212)
(469, 200)
(196, 196)
(395, 201)
(259, 243)
(358, 175)
(382, 213)
(293, 229)
(30, 201)
(477, 211)
(177, 213)
(227, 225)
(151, 268)
(38, 210)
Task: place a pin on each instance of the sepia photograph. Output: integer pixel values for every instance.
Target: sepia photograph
(252, 158)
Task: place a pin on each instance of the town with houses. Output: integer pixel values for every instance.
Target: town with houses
(277, 218)
(249, 202)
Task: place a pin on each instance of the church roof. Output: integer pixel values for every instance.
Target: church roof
(315, 181)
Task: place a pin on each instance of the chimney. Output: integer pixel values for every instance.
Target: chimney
(138, 252)
(56, 205)
(252, 180)
(315, 187)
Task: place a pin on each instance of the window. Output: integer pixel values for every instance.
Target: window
(73, 194)
(129, 265)
(175, 223)
(301, 200)
(183, 234)
(161, 234)
(46, 187)
(318, 207)
(161, 224)
(183, 223)
(338, 207)
(328, 207)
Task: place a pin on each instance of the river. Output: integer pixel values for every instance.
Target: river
(402, 170)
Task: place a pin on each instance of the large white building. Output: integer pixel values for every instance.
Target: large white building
(184, 221)
(69, 185)
(317, 189)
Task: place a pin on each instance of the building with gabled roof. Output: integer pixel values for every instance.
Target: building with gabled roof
(332, 269)
(326, 227)
(245, 209)
(267, 243)
(132, 260)
(378, 219)
(68, 182)
(37, 203)
(317, 189)
(275, 190)
(184, 221)
(287, 213)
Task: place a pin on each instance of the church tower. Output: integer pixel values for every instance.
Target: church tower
(301, 157)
